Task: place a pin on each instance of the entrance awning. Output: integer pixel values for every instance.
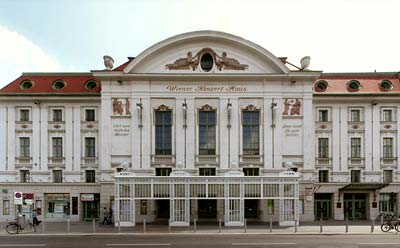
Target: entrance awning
(363, 186)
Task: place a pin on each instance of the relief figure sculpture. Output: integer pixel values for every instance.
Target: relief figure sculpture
(117, 107)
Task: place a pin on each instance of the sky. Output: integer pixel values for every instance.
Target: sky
(73, 35)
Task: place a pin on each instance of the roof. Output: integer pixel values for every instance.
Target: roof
(363, 186)
(369, 81)
(122, 67)
(75, 83)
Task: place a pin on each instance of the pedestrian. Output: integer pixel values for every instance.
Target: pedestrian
(35, 220)
(105, 215)
(110, 215)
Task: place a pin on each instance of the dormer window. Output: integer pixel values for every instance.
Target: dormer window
(58, 84)
(26, 84)
(91, 84)
(206, 62)
(353, 86)
(385, 85)
(321, 86)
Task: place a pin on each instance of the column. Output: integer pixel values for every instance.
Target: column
(180, 141)
(44, 140)
(376, 138)
(234, 132)
(278, 134)
(135, 134)
(267, 133)
(105, 134)
(11, 142)
(191, 138)
(343, 138)
(335, 142)
(146, 132)
(308, 134)
(35, 137)
(69, 135)
(77, 141)
(368, 138)
(3, 140)
(224, 141)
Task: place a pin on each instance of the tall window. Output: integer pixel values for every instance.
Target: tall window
(90, 115)
(90, 176)
(387, 176)
(57, 176)
(24, 143)
(387, 202)
(322, 115)
(355, 115)
(24, 115)
(387, 115)
(207, 132)
(207, 171)
(388, 147)
(323, 147)
(25, 175)
(323, 176)
(251, 132)
(57, 147)
(57, 115)
(355, 147)
(163, 132)
(251, 171)
(355, 176)
(163, 171)
(90, 147)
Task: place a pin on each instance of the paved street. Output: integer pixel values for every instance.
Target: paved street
(202, 240)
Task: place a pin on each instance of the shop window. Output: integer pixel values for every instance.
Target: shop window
(74, 205)
(387, 202)
(207, 171)
(6, 207)
(90, 176)
(57, 176)
(143, 207)
(163, 171)
(251, 171)
(301, 206)
(270, 210)
(89, 115)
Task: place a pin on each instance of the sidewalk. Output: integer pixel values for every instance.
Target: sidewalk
(86, 228)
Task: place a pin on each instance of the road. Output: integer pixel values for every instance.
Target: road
(202, 240)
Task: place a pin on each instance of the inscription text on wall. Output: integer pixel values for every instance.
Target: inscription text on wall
(204, 88)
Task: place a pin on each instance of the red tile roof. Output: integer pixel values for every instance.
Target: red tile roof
(43, 84)
(122, 67)
(337, 83)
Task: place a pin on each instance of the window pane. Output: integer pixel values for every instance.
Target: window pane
(207, 133)
(57, 147)
(24, 115)
(24, 147)
(163, 132)
(57, 115)
(89, 115)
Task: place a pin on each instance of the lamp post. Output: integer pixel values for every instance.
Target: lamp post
(184, 110)
(139, 107)
(274, 106)
(229, 115)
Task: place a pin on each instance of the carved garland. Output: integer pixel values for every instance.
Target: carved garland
(163, 107)
(206, 108)
(250, 107)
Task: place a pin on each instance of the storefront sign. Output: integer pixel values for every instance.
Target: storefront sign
(87, 197)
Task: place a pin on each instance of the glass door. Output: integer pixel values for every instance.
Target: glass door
(90, 210)
(355, 206)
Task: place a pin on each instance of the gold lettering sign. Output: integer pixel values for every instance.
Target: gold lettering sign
(205, 88)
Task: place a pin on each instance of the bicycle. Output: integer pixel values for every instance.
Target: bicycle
(14, 227)
(389, 222)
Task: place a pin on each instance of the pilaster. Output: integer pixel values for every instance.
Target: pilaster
(35, 136)
(3, 138)
(11, 142)
(267, 133)
(308, 134)
(368, 138)
(376, 139)
(224, 137)
(343, 139)
(44, 140)
(69, 137)
(146, 132)
(78, 149)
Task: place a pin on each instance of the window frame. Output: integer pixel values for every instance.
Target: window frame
(24, 176)
(387, 148)
(385, 175)
(210, 130)
(355, 148)
(57, 147)
(24, 115)
(207, 171)
(89, 110)
(90, 176)
(351, 116)
(323, 176)
(355, 176)
(321, 116)
(163, 131)
(57, 176)
(57, 117)
(25, 147)
(251, 147)
(323, 149)
(90, 147)
(251, 171)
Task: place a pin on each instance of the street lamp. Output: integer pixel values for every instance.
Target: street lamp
(229, 111)
(139, 107)
(184, 109)
(274, 106)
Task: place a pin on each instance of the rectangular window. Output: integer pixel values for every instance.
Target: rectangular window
(355, 147)
(251, 171)
(163, 172)
(57, 147)
(24, 115)
(25, 176)
(57, 115)
(387, 115)
(387, 176)
(207, 171)
(163, 121)
(388, 147)
(143, 207)
(90, 147)
(25, 147)
(323, 147)
(323, 176)
(251, 132)
(301, 206)
(355, 115)
(270, 205)
(90, 115)
(74, 205)
(322, 115)
(387, 202)
(57, 176)
(355, 176)
(90, 176)
(207, 132)
(6, 207)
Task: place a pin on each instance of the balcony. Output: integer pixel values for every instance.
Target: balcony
(89, 161)
(388, 160)
(251, 159)
(207, 159)
(163, 159)
(356, 161)
(323, 161)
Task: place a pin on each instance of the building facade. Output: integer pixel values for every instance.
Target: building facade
(205, 106)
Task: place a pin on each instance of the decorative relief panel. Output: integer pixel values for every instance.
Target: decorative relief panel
(191, 62)
(292, 107)
(121, 106)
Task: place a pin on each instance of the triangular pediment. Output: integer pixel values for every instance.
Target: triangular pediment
(206, 52)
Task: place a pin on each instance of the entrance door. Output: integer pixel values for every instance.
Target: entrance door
(322, 206)
(251, 208)
(207, 209)
(355, 206)
(90, 210)
(162, 209)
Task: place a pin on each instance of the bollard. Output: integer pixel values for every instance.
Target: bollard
(194, 225)
(245, 225)
(320, 225)
(295, 226)
(220, 223)
(169, 225)
(94, 226)
(347, 225)
(68, 225)
(270, 224)
(119, 226)
(372, 225)
(381, 220)
(144, 226)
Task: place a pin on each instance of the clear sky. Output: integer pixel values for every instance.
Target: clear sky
(73, 35)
